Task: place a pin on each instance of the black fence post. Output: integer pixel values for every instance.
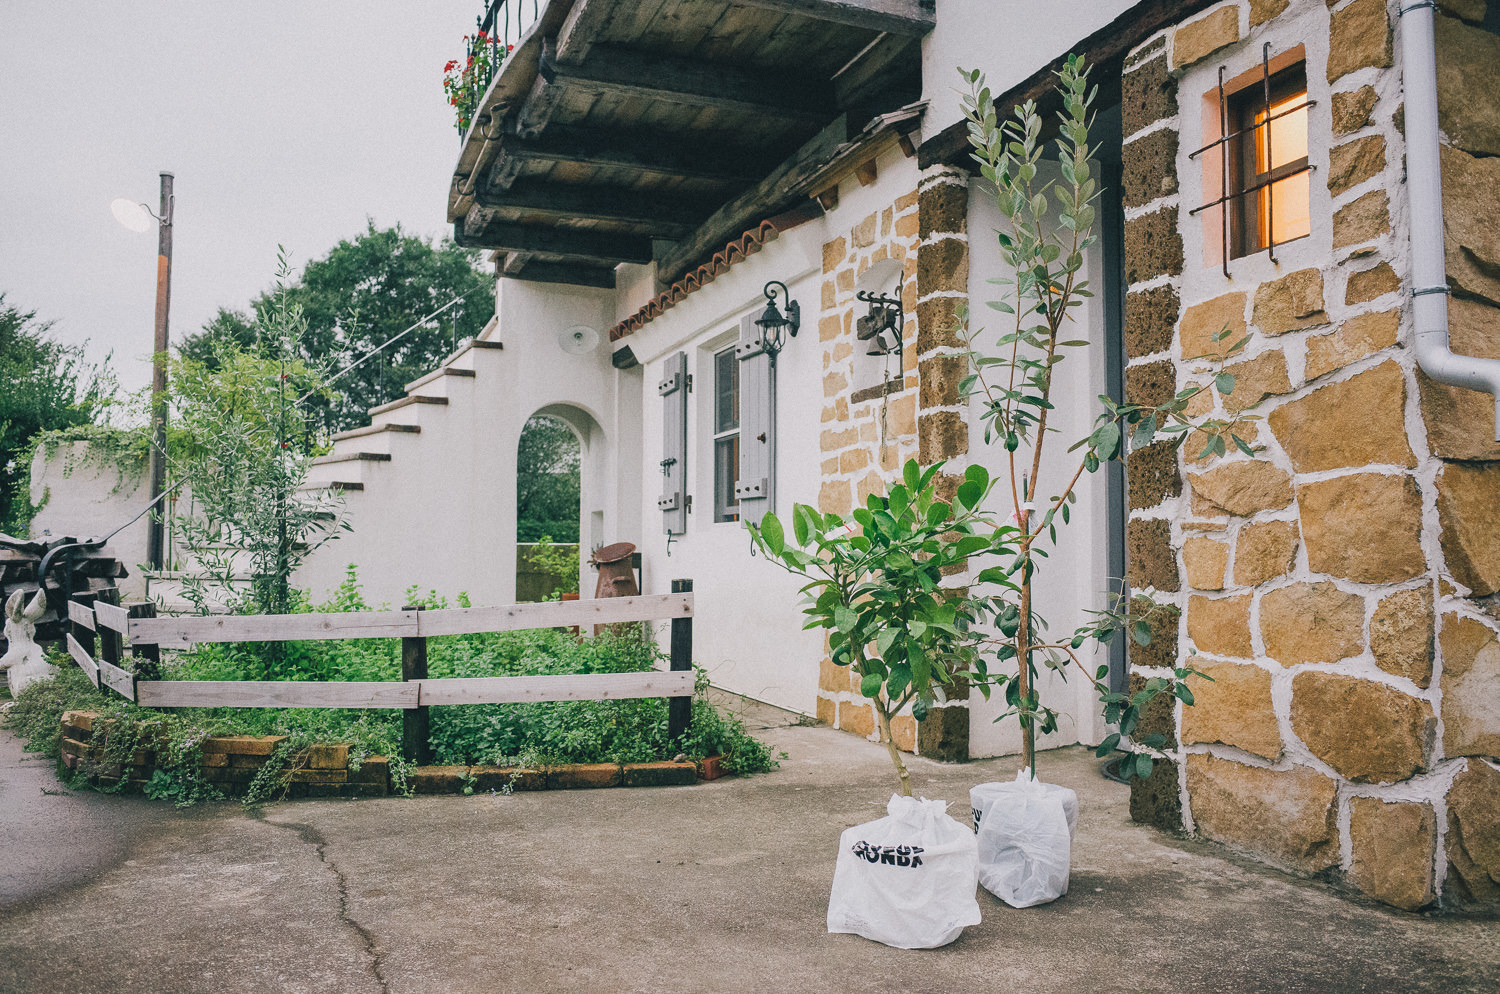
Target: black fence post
(680, 709)
(147, 654)
(414, 744)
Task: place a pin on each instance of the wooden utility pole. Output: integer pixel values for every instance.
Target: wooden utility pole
(157, 459)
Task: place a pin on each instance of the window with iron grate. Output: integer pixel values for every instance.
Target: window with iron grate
(1259, 162)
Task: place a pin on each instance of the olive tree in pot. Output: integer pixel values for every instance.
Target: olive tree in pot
(1048, 212)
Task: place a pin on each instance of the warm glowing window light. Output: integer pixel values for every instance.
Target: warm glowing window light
(1283, 208)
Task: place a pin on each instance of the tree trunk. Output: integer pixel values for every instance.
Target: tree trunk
(1023, 668)
(890, 745)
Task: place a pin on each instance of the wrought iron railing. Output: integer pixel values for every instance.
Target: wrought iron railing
(496, 32)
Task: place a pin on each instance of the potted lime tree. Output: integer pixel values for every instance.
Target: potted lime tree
(875, 585)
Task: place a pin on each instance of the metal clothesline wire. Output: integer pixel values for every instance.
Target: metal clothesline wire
(384, 344)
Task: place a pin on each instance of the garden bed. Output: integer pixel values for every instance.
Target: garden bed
(232, 763)
(258, 754)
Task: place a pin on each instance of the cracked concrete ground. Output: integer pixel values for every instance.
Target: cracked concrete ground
(718, 887)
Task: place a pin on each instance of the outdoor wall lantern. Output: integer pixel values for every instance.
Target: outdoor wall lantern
(774, 328)
(882, 326)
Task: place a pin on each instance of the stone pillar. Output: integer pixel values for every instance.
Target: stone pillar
(942, 292)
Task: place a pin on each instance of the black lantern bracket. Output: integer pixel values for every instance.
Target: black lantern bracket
(775, 327)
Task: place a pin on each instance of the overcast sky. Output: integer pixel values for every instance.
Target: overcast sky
(285, 122)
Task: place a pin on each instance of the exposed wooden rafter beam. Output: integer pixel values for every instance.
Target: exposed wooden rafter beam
(695, 157)
(578, 274)
(649, 76)
(912, 18)
(600, 246)
(582, 27)
(668, 217)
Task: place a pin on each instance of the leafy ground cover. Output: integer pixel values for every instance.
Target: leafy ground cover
(619, 731)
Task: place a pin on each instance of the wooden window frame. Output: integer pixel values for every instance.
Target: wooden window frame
(1238, 200)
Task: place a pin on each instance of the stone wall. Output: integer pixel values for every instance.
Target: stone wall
(870, 429)
(1340, 584)
(867, 430)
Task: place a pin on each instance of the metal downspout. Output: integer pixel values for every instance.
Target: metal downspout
(1425, 189)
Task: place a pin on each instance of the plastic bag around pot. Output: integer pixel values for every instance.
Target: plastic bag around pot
(908, 879)
(1024, 830)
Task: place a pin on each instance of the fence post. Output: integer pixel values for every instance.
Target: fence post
(147, 655)
(414, 744)
(83, 634)
(680, 709)
(111, 644)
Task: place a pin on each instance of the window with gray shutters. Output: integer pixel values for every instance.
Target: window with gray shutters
(674, 499)
(755, 490)
(726, 435)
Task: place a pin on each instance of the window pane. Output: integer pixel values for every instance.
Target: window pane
(726, 391)
(726, 475)
(1287, 134)
(1286, 209)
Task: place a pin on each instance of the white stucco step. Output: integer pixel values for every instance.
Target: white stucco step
(465, 355)
(437, 375)
(407, 401)
(376, 429)
(355, 485)
(363, 456)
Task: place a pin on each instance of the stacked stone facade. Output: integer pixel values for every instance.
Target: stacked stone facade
(1339, 584)
(869, 431)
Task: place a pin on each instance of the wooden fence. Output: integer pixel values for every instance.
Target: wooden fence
(98, 627)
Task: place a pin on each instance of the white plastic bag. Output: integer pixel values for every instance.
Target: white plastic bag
(1025, 835)
(908, 879)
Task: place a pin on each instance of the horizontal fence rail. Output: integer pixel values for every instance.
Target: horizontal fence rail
(184, 633)
(102, 622)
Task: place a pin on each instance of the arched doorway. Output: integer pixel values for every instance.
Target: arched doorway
(549, 471)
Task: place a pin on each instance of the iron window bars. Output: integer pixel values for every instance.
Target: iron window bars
(1266, 180)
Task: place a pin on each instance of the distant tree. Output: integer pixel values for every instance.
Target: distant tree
(363, 292)
(44, 385)
(547, 482)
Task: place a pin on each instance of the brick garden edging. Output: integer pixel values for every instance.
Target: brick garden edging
(230, 763)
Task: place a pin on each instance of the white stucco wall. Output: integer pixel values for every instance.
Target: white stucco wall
(747, 625)
(86, 498)
(441, 513)
(1073, 579)
(1008, 39)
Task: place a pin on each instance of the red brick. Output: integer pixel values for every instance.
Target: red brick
(488, 778)
(579, 776)
(243, 745)
(660, 774)
(328, 757)
(438, 779)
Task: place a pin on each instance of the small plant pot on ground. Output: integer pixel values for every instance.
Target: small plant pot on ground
(908, 879)
(1024, 830)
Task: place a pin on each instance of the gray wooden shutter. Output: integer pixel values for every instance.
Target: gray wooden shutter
(674, 390)
(756, 487)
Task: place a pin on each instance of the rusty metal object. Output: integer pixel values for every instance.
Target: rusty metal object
(71, 567)
(616, 571)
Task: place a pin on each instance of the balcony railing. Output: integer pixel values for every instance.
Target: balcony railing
(496, 32)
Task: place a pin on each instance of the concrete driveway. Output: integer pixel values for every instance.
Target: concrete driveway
(718, 887)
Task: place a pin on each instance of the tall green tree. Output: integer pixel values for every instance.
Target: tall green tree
(363, 292)
(547, 482)
(44, 385)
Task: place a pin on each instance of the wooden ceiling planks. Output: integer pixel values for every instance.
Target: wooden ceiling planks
(647, 117)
